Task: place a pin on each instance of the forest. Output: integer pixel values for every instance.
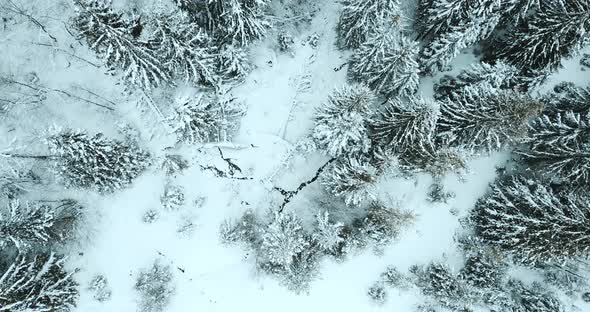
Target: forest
(343, 155)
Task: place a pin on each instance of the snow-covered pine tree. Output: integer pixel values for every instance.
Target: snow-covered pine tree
(205, 118)
(360, 18)
(37, 284)
(529, 221)
(406, 127)
(232, 63)
(534, 298)
(483, 119)
(37, 223)
(282, 240)
(352, 179)
(558, 29)
(383, 224)
(94, 161)
(454, 25)
(386, 62)
(108, 33)
(567, 97)
(341, 123)
(240, 21)
(558, 147)
(499, 76)
(154, 286)
(185, 49)
(328, 234)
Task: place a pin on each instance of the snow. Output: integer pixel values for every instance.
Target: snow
(281, 95)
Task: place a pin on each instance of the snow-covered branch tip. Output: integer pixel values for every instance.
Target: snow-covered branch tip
(290, 194)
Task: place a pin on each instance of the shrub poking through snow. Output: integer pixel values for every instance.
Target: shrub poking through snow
(99, 287)
(154, 286)
(377, 293)
(173, 197)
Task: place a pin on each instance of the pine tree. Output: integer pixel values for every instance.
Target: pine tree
(96, 162)
(205, 118)
(528, 220)
(155, 288)
(240, 21)
(558, 147)
(359, 19)
(109, 35)
(454, 25)
(328, 234)
(484, 119)
(567, 97)
(406, 127)
(341, 123)
(37, 223)
(498, 76)
(383, 224)
(386, 63)
(186, 50)
(352, 179)
(558, 29)
(534, 298)
(282, 240)
(232, 63)
(39, 284)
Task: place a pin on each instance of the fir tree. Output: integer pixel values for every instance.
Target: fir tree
(359, 19)
(205, 118)
(232, 63)
(558, 29)
(386, 63)
(96, 162)
(38, 284)
(566, 97)
(559, 147)
(341, 123)
(528, 220)
(109, 35)
(37, 223)
(534, 298)
(406, 127)
(383, 224)
(283, 239)
(352, 179)
(484, 119)
(155, 288)
(327, 234)
(186, 50)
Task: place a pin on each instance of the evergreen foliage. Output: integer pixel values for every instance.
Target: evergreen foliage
(482, 119)
(204, 118)
(108, 33)
(534, 298)
(352, 179)
(37, 284)
(359, 19)
(283, 239)
(528, 220)
(341, 123)
(37, 222)
(96, 162)
(557, 29)
(386, 62)
(558, 147)
(328, 235)
(406, 127)
(155, 288)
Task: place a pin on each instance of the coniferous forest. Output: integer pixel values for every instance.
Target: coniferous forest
(264, 155)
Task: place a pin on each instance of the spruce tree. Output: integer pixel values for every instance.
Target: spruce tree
(37, 284)
(529, 221)
(558, 29)
(482, 119)
(283, 239)
(406, 127)
(567, 97)
(352, 179)
(558, 147)
(96, 162)
(359, 19)
(386, 62)
(341, 123)
(108, 33)
(186, 50)
(37, 222)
